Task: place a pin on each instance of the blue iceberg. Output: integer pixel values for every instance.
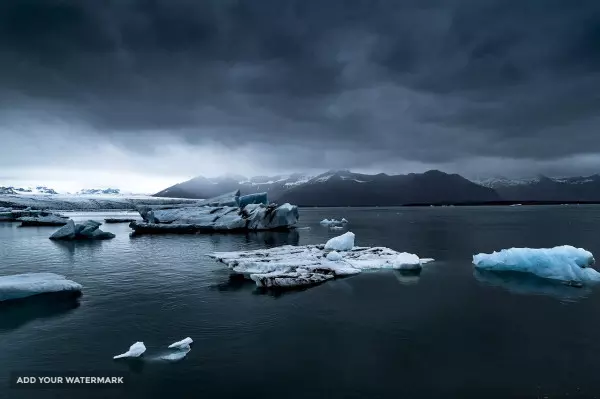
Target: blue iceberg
(258, 198)
(564, 263)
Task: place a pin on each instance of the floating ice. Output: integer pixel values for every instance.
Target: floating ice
(336, 227)
(24, 285)
(88, 230)
(135, 350)
(222, 218)
(258, 198)
(295, 266)
(345, 242)
(48, 220)
(333, 222)
(184, 343)
(565, 263)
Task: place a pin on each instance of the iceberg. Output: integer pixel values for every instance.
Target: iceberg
(185, 220)
(135, 350)
(297, 266)
(88, 230)
(564, 263)
(345, 242)
(47, 220)
(227, 199)
(183, 344)
(258, 198)
(20, 286)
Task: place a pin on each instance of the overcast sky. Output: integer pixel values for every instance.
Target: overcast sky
(141, 94)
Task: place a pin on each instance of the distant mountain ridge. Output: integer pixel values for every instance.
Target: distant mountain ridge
(342, 188)
(543, 188)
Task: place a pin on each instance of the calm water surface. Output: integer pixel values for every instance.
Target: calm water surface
(446, 333)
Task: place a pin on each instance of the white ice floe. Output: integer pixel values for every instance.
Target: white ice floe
(565, 263)
(333, 222)
(295, 266)
(345, 242)
(88, 230)
(135, 350)
(336, 227)
(184, 343)
(24, 285)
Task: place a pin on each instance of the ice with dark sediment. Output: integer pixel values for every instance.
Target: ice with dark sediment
(88, 230)
(46, 220)
(207, 218)
(296, 266)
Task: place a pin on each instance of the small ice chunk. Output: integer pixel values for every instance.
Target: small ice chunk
(334, 256)
(135, 350)
(407, 261)
(184, 343)
(332, 222)
(565, 262)
(336, 227)
(345, 242)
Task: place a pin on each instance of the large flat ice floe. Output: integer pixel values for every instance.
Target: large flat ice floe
(47, 220)
(88, 230)
(296, 266)
(564, 263)
(20, 286)
(256, 215)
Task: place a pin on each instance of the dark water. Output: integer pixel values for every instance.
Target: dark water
(446, 333)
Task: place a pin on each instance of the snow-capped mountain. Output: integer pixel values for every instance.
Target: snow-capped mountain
(543, 188)
(28, 190)
(99, 191)
(341, 188)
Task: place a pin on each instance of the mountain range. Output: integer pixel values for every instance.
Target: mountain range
(345, 188)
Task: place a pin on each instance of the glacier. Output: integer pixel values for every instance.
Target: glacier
(88, 230)
(135, 350)
(564, 263)
(20, 286)
(297, 266)
(256, 215)
(74, 202)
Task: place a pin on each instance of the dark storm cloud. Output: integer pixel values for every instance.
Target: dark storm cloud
(426, 81)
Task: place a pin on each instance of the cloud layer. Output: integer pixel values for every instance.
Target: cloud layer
(184, 87)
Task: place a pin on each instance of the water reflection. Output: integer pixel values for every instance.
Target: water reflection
(274, 238)
(408, 277)
(15, 314)
(529, 284)
(70, 247)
